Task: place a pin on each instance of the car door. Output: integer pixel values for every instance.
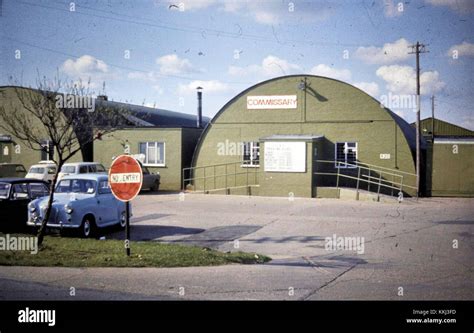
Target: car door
(19, 199)
(147, 178)
(107, 204)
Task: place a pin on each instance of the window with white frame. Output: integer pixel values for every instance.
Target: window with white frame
(345, 154)
(154, 153)
(251, 154)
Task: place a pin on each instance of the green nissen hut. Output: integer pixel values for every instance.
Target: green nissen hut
(165, 139)
(304, 135)
(449, 158)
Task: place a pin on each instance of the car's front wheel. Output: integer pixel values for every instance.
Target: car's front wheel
(123, 221)
(86, 230)
(155, 187)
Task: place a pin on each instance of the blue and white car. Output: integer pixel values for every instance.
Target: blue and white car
(82, 203)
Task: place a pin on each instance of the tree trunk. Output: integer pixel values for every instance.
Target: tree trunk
(42, 229)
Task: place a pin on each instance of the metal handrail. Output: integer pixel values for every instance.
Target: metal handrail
(368, 178)
(191, 179)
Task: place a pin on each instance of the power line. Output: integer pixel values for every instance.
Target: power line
(117, 66)
(194, 29)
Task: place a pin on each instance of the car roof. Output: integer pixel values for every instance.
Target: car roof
(80, 163)
(89, 176)
(42, 165)
(14, 180)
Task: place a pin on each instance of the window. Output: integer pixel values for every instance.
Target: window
(251, 154)
(4, 190)
(154, 153)
(76, 186)
(345, 154)
(38, 190)
(83, 169)
(20, 191)
(104, 187)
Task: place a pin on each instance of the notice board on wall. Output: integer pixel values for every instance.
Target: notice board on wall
(285, 156)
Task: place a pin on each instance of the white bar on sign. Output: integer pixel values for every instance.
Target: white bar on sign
(130, 177)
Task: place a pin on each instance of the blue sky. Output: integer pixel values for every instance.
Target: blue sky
(156, 52)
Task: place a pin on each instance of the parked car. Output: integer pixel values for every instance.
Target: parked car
(12, 170)
(80, 168)
(151, 180)
(15, 194)
(82, 203)
(44, 170)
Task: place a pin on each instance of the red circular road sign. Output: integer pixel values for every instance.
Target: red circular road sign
(125, 178)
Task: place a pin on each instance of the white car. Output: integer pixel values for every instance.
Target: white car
(80, 168)
(44, 170)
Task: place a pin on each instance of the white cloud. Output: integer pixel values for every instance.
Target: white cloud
(389, 53)
(402, 80)
(84, 65)
(271, 66)
(264, 12)
(391, 9)
(460, 6)
(171, 64)
(325, 70)
(209, 87)
(463, 50)
(370, 88)
(88, 69)
(192, 4)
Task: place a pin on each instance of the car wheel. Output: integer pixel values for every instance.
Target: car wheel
(155, 187)
(123, 221)
(86, 229)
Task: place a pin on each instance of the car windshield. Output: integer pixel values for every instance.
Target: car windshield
(4, 190)
(100, 168)
(68, 169)
(87, 186)
(36, 170)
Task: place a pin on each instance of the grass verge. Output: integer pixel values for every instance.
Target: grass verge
(75, 252)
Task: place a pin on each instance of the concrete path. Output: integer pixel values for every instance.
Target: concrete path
(408, 246)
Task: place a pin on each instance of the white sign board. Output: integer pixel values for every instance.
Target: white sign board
(384, 156)
(285, 156)
(272, 102)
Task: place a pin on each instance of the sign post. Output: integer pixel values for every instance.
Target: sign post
(125, 180)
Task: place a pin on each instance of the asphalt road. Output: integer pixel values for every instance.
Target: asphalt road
(408, 252)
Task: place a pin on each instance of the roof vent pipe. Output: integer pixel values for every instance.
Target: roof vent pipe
(199, 108)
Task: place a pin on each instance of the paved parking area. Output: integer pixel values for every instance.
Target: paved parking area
(414, 250)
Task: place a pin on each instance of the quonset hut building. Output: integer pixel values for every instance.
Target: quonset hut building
(305, 136)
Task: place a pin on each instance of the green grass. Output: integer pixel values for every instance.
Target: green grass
(76, 252)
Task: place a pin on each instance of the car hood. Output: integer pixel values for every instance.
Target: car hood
(64, 198)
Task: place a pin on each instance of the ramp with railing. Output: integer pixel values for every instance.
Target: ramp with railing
(363, 176)
(220, 177)
(226, 177)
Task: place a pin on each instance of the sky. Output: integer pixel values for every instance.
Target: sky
(157, 52)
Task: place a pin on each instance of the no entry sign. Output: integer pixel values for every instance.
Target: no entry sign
(125, 178)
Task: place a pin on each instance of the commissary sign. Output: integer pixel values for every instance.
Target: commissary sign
(272, 102)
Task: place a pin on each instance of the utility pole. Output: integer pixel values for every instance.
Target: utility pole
(417, 49)
(432, 119)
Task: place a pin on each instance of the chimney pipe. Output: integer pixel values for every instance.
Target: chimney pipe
(199, 108)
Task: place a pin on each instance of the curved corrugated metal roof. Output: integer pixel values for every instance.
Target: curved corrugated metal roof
(146, 116)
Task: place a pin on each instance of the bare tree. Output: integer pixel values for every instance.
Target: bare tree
(62, 113)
